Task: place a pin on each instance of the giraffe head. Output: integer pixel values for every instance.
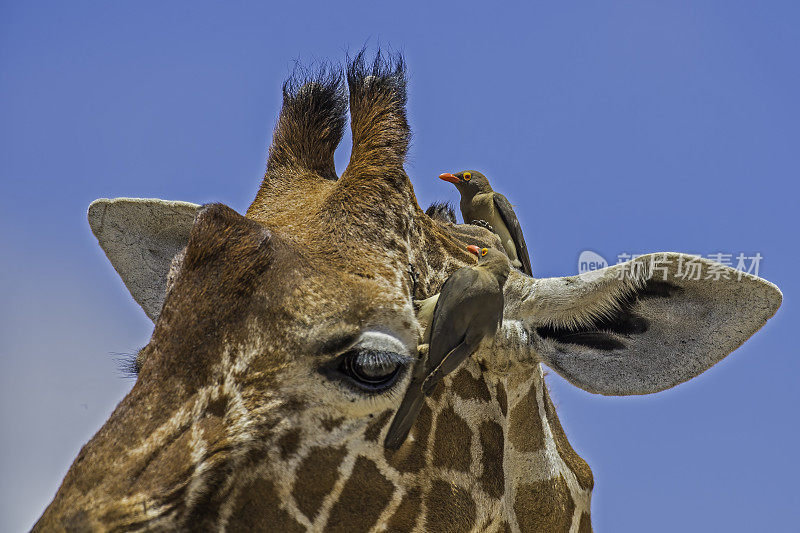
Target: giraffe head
(284, 339)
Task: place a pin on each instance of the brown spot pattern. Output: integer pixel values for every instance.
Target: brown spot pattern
(451, 443)
(451, 509)
(364, 496)
(573, 461)
(585, 525)
(218, 407)
(374, 428)
(525, 425)
(437, 391)
(294, 405)
(544, 506)
(329, 424)
(468, 387)
(258, 508)
(315, 478)
(289, 442)
(502, 400)
(411, 455)
(492, 478)
(406, 514)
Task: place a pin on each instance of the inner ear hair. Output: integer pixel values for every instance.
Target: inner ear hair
(607, 332)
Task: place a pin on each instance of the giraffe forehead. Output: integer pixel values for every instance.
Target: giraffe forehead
(289, 302)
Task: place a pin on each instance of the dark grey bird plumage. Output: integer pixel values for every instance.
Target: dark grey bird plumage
(469, 309)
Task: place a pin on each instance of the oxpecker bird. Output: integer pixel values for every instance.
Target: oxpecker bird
(480, 202)
(468, 310)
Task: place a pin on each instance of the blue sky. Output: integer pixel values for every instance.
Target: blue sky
(620, 127)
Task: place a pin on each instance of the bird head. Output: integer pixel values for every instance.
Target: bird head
(468, 182)
(493, 260)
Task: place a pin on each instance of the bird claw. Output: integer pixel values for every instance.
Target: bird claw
(482, 224)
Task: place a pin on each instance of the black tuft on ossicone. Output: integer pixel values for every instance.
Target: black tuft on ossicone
(312, 120)
(441, 212)
(377, 104)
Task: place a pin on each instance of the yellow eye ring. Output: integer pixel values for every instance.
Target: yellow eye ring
(467, 176)
(484, 251)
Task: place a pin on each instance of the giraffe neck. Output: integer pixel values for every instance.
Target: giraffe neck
(486, 454)
(552, 485)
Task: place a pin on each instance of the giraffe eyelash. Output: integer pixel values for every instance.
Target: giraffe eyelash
(363, 369)
(372, 365)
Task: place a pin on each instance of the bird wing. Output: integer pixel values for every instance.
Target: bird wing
(405, 416)
(503, 207)
(461, 294)
(449, 363)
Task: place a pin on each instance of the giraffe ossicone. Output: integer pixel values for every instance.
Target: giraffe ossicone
(277, 360)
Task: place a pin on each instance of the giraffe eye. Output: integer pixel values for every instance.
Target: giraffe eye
(372, 370)
(467, 176)
(371, 363)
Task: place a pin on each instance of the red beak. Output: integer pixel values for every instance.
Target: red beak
(474, 250)
(449, 177)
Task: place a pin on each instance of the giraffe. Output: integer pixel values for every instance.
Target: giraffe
(284, 338)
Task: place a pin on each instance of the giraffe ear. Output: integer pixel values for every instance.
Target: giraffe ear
(140, 237)
(642, 326)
